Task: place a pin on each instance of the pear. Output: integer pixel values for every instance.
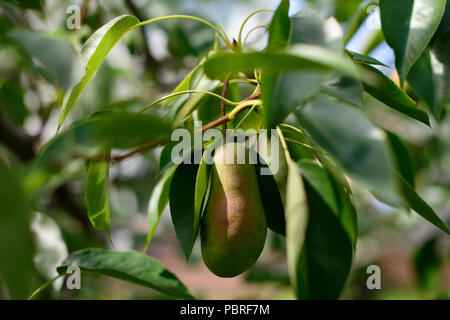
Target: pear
(233, 226)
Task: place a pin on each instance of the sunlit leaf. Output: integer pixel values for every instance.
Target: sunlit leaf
(385, 90)
(430, 76)
(130, 266)
(158, 202)
(297, 57)
(408, 27)
(97, 194)
(93, 53)
(282, 93)
(279, 28)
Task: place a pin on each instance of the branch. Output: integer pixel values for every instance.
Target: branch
(157, 142)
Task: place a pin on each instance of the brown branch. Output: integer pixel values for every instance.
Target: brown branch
(157, 142)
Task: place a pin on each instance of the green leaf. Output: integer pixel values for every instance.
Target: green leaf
(97, 194)
(364, 59)
(11, 99)
(297, 57)
(182, 206)
(327, 256)
(93, 53)
(282, 93)
(128, 130)
(385, 90)
(296, 210)
(130, 266)
(358, 17)
(52, 58)
(408, 27)
(444, 27)
(361, 151)
(346, 8)
(428, 263)
(201, 186)
(187, 82)
(415, 202)
(158, 202)
(430, 76)
(271, 199)
(87, 139)
(279, 28)
(345, 88)
(16, 244)
(336, 196)
(403, 162)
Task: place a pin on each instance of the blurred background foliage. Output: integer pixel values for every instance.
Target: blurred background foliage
(39, 61)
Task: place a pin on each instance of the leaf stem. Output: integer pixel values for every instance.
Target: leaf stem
(44, 286)
(209, 24)
(246, 20)
(225, 100)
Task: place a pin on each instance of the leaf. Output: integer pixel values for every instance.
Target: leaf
(52, 58)
(361, 151)
(385, 90)
(201, 186)
(282, 93)
(186, 84)
(336, 196)
(87, 139)
(11, 99)
(430, 76)
(16, 244)
(326, 259)
(128, 130)
(428, 263)
(345, 88)
(296, 210)
(271, 199)
(158, 202)
(408, 27)
(346, 8)
(93, 53)
(297, 57)
(364, 59)
(97, 194)
(444, 27)
(403, 162)
(182, 206)
(130, 266)
(279, 28)
(415, 202)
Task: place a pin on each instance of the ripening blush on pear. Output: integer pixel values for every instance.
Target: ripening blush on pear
(233, 227)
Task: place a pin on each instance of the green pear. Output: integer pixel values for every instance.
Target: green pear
(233, 226)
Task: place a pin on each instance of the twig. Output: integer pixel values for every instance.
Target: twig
(157, 142)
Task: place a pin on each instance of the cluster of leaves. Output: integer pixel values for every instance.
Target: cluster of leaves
(308, 87)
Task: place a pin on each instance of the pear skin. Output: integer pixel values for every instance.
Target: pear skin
(233, 227)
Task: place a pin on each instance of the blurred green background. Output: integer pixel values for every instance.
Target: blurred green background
(38, 61)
